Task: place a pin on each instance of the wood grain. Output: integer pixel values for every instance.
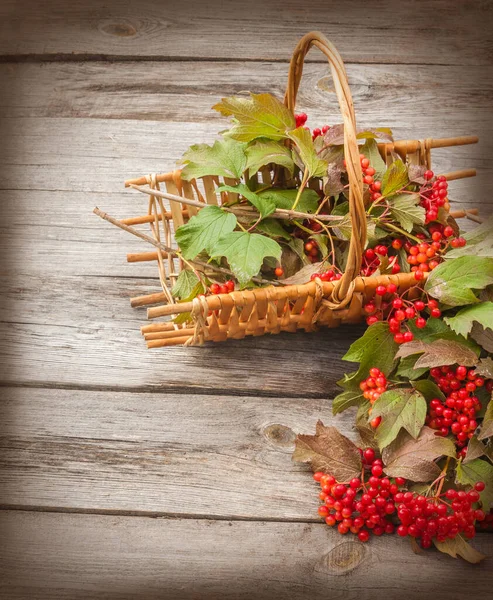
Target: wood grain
(76, 557)
(81, 331)
(435, 31)
(162, 454)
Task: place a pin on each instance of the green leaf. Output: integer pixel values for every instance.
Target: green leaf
(316, 166)
(273, 228)
(203, 230)
(245, 252)
(225, 158)
(402, 408)
(264, 206)
(487, 424)
(262, 153)
(405, 210)
(481, 233)
(429, 389)
(308, 202)
(395, 178)
(474, 471)
(187, 286)
(376, 348)
(452, 281)
(345, 400)
(484, 248)
(415, 459)
(370, 150)
(459, 547)
(407, 370)
(463, 321)
(260, 115)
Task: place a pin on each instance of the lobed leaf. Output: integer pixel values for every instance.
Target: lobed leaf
(245, 252)
(414, 459)
(463, 321)
(370, 150)
(452, 282)
(345, 400)
(225, 158)
(405, 210)
(308, 202)
(330, 452)
(264, 152)
(487, 424)
(438, 353)
(187, 286)
(203, 230)
(317, 167)
(265, 206)
(258, 116)
(402, 408)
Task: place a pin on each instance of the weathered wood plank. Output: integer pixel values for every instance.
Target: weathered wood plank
(421, 98)
(92, 155)
(167, 454)
(53, 556)
(435, 31)
(81, 331)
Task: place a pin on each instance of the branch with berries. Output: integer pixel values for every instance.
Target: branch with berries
(422, 398)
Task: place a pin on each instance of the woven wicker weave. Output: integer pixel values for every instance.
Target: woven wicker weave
(274, 308)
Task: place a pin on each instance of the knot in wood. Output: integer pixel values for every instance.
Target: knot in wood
(279, 435)
(342, 559)
(120, 29)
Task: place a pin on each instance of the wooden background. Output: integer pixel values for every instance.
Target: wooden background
(126, 473)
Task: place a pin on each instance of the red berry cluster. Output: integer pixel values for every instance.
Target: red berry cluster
(329, 275)
(301, 119)
(372, 259)
(425, 518)
(398, 311)
(373, 387)
(457, 413)
(434, 196)
(358, 506)
(225, 288)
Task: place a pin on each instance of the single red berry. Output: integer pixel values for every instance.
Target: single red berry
(230, 284)
(479, 486)
(318, 475)
(215, 288)
(381, 290)
(363, 535)
(391, 288)
(428, 175)
(279, 271)
(420, 323)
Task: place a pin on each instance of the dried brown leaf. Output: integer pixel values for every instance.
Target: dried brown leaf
(459, 547)
(303, 275)
(484, 337)
(414, 459)
(329, 451)
(438, 353)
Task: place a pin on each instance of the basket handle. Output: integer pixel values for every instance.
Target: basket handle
(357, 212)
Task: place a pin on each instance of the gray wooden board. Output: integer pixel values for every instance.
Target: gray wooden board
(81, 331)
(77, 557)
(436, 31)
(168, 454)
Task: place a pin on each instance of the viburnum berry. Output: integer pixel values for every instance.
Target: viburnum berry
(279, 271)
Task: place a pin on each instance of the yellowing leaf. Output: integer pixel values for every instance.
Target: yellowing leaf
(245, 252)
(187, 286)
(225, 158)
(330, 452)
(260, 115)
(262, 153)
(316, 166)
(462, 322)
(402, 408)
(203, 230)
(370, 150)
(459, 547)
(415, 459)
(395, 178)
(452, 281)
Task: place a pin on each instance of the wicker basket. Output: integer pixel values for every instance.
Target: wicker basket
(274, 308)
